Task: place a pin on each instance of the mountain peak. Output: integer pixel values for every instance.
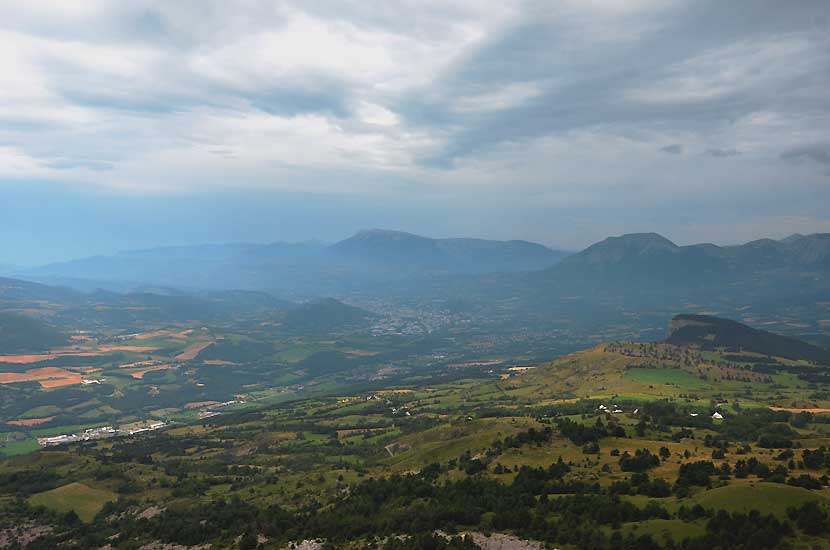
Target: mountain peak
(792, 238)
(645, 239)
(377, 233)
(386, 245)
(633, 243)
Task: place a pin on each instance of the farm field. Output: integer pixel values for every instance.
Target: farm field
(109, 378)
(562, 419)
(197, 432)
(76, 497)
(672, 377)
(768, 498)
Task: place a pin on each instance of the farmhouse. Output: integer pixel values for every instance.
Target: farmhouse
(57, 440)
(147, 428)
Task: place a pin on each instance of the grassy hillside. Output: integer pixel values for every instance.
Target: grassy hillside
(637, 372)
(713, 333)
(76, 497)
(624, 445)
(611, 447)
(325, 315)
(19, 333)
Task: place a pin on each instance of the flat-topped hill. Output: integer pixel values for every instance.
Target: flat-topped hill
(710, 332)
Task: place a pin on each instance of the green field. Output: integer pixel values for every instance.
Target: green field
(661, 529)
(40, 412)
(12, 448)
(674, 377)
(768, 498)
(78, 497)
(319, 448)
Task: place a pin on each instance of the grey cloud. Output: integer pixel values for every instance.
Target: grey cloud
(814, 153)
(588, 84)
(716, 152)
(676, 77)
(96, 165)
(331, 99)
(582, 82)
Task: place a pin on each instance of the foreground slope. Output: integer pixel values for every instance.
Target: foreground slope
(618, 446)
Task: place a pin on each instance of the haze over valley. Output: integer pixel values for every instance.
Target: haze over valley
(281, 275)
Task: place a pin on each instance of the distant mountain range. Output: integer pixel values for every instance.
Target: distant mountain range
(62, 306)
(652, 256)
(313, 267)
(376, 256)
(398, 249)
(620, 280)
(650, 263)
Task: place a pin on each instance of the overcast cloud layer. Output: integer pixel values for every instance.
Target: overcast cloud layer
(556, 121)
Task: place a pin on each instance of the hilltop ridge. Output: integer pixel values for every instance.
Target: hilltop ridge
(653, 260)
(710, 332)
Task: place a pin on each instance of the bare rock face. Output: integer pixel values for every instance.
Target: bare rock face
(171, 546)
(500, 541)
(23, 534)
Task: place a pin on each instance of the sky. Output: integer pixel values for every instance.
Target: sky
(135, 124)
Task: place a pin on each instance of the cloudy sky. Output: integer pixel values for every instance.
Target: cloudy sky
(131, 124)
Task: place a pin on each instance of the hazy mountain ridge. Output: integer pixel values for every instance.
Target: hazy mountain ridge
(375, 256)
(649, 257)
(19, 333)
(614, 281)
(324, 315)
(455, 254)
(16, 289)
(363, 257)
(67, 307)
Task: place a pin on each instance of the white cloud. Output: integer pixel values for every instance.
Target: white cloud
(151, 97)
(747, 66)
(16, 164)
(371, 113)
(512, 95)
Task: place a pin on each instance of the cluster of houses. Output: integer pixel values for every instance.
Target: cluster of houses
(395, 410)
(614, 409)
(147, 428)
(715, 415)
(96, 433)
(208, 412)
